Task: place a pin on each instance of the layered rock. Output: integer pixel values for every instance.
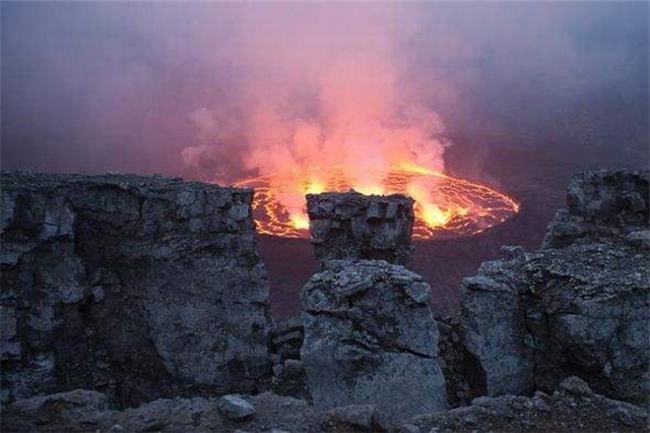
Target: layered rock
(289, 376)
(573, 407)
(577, 307)
(355, 226)
(137, 286)
(370, 338)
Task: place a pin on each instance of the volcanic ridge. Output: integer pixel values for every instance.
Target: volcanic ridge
(140, 304)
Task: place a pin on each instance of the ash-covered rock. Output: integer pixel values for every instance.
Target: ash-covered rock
(136, 286)
(573, 407)
(370, 338)
(351, 225)
(602, 204)
(532, 319)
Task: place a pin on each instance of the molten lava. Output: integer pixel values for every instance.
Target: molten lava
(445, 206)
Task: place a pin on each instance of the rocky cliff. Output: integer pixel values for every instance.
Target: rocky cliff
(139, 287)
(603, 205)
(148, 287)
(579, 306)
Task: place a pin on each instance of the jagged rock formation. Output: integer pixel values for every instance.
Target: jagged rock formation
(355, 226)
(602, 205)
(577, 307)
(139, 287)
(370, 337)
(572, 408)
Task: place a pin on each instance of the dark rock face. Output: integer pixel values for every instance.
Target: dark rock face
(355, 226)
(289, 377)
(463, 374)
(370, 337)
(578, 307)
(602, 204)
(572, 408)
(136, 286)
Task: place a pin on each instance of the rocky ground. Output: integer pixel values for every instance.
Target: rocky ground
(573, 407)
(161, 282)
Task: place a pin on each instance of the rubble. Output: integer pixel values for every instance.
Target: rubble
(572, 408)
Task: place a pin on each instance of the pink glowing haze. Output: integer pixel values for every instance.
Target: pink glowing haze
(328, 90)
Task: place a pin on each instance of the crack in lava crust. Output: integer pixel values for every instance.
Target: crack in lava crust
(462, 207)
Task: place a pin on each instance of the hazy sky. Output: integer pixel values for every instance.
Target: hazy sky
(204, 90)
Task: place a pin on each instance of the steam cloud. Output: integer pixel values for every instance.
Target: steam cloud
(220, 91)
(323, 88)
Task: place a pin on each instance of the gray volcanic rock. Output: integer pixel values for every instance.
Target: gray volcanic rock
(72, 407)
(458, 366)
(602, 204)
(494, 330)
(572, 408)
(361, 417)
(370, 338)
(235, 407)
(178, 415)
(532, 319)
(289, 377)
(583, 309)
(351, 225)
(137, 286)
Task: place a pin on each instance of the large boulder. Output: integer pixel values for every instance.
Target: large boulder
(351, 225)
(136, 286)
(370, 338)
(579, 306)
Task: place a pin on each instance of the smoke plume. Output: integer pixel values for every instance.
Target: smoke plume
(222, 91)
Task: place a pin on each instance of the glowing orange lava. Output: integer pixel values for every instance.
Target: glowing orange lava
(445, 206)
